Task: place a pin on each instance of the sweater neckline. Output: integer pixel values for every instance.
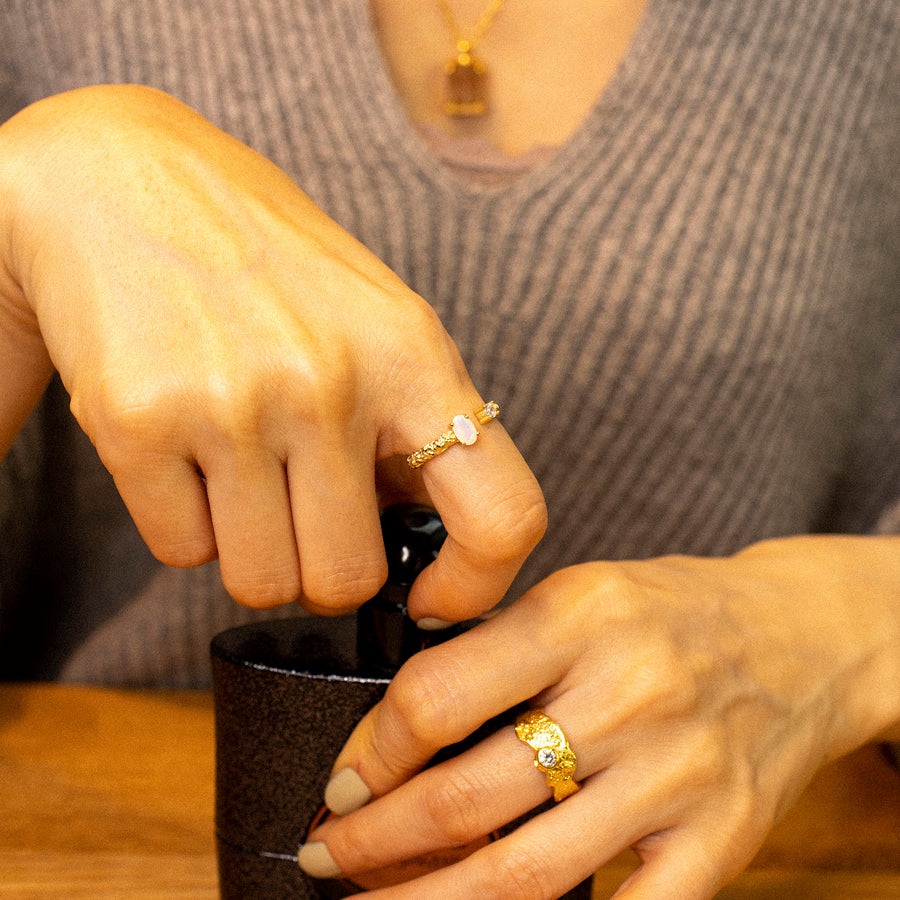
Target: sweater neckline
(385, 115)
(477, 161)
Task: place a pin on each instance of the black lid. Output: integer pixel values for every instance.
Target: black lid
(386, 636)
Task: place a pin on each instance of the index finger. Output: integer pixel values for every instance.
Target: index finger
(494, 513)
(439, 697)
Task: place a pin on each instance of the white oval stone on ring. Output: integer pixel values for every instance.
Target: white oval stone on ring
(464, 429)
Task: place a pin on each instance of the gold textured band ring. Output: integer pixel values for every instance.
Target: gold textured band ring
(552, 754)
(460, 431)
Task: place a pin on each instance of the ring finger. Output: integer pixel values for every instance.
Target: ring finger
(450, 805)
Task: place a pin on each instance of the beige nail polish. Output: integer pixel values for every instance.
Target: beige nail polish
(428, 623)
(346, 792)
(317, 862)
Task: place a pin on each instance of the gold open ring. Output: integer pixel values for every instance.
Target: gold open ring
(461, 431)
(552, 754)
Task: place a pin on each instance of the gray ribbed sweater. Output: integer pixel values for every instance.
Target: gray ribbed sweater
(690, 315)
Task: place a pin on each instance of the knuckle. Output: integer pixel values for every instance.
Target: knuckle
(748, 815)
(352, 844)
(652, 692)
(185, 552)
(673, 689)
(525, 518)
(233, 406)
(322, 391)
(511, 526)
(310, 380)
(521, 872)
(455, 805)
(125, 421)
(659, 672)
(703, 761)
(615, 590)
(423, 694)
(347, 582)
(700, 765)
(432, 338)
(433, 351)
(264, 590)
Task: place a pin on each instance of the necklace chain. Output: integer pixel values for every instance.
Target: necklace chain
(465, 45)
(466, 94)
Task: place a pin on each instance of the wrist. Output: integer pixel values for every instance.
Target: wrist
(847, 598)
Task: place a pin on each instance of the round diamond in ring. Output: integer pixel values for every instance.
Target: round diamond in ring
(547, 757)
(489, 411)
(552, 754)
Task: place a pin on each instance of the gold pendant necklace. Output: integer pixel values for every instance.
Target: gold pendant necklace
(466, 83)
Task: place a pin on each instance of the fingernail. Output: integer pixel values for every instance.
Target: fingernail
(317, 862)
(430, 624)
(346, 792)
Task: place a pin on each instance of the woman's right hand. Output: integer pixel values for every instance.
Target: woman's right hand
(240, 362)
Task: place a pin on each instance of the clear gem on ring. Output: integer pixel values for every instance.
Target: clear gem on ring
(489, 411)
(547, 757)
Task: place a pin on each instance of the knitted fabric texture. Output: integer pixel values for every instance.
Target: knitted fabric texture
(689, 313)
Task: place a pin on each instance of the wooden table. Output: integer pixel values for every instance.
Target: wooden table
(109, 794)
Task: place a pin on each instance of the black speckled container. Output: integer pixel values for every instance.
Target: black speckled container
(287, 694)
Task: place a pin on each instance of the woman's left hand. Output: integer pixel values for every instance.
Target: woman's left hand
(700, 696)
